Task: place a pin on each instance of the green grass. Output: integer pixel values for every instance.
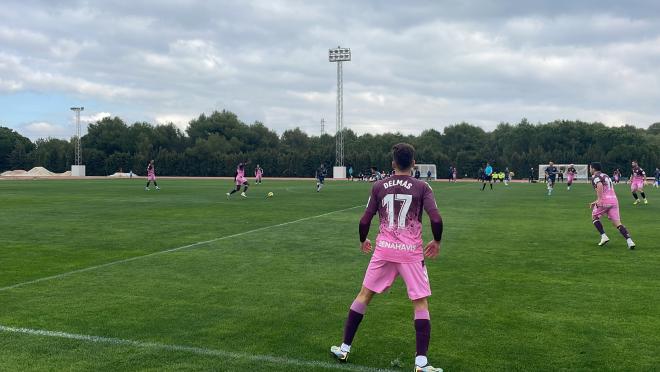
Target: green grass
(520, 284)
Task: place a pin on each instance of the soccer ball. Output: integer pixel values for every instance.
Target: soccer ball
(270, 194)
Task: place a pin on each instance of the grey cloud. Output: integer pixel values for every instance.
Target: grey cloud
(415, 64)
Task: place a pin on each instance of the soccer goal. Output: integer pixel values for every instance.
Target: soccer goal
(582, 171)
(424, 170)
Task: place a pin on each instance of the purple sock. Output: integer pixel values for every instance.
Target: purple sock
(643, 195)
(624, 231)
(422, 331)
(599, 227)
(635, 196)
(355, 315)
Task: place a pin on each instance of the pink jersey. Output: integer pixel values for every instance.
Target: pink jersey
(608, 197)
(258, 172)
(400, 202)
(638, 174)
(240, 175)
(571, 172)
(151, 171)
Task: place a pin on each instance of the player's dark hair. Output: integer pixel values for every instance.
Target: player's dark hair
(403, 155)
(596, 166)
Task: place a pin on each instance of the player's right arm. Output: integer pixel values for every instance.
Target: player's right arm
(365, 221)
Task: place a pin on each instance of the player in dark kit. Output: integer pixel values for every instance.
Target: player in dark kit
(399, 201)
(321, 172)
(551, 175)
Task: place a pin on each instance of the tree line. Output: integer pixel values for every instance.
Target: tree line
(213, 144)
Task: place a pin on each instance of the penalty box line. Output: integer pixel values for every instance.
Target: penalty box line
(193, 245)
(190, 349)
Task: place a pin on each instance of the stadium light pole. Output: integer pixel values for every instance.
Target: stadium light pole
(339, 55)
(77, 169)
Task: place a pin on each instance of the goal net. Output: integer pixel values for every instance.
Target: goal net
(424, 170)
(582, 171)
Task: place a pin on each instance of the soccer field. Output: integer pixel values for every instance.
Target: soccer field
(102, 275)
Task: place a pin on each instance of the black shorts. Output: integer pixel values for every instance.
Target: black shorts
(321, 179)
(488, 178)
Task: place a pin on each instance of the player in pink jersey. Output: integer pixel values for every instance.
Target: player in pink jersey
(571, 172)
(617, 175)
(606, 204)
(240, 180)
(637, 182)
(151, 175)
(258, 173)
(400, 201)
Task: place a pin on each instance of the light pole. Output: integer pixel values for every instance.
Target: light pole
(339, 55)
(77, 169)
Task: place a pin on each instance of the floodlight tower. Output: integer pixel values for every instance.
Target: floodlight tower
(77, 169)
(339, 55)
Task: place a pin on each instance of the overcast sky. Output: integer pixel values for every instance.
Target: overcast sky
(416, 64)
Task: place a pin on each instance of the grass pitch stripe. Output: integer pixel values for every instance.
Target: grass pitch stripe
(191, 349)
(193, 245)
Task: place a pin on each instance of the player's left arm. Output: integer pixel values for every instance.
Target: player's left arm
(432, 249)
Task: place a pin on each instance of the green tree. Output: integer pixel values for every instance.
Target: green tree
(14, 150)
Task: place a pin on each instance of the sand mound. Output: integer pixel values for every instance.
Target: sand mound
(34, 172)
(13, 173)
(40, 172)
(123, 175)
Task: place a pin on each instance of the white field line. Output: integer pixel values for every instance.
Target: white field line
(90, 268)
(191, 349)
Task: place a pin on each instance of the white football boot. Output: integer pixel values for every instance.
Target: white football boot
(427, 368)
(603, 240)
(340, 355)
